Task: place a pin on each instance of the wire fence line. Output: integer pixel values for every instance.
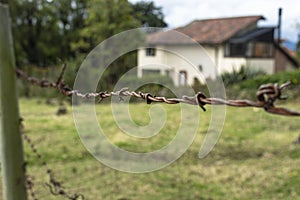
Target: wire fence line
(55, 187)
(267, 95)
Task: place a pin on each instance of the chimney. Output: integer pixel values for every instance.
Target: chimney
(279, 24)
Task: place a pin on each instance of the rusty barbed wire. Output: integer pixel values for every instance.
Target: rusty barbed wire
(55, 187)
(267, 95)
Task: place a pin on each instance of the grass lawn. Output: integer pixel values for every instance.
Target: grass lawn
(255, 157)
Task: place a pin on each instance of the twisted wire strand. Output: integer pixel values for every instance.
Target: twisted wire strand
(267, 95)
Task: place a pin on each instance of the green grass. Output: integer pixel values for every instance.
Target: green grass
(255, 157)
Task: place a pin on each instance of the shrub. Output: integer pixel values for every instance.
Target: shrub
(248, 88)
(293, 76)
(237, 76)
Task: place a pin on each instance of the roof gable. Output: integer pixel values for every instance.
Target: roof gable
(210, 31)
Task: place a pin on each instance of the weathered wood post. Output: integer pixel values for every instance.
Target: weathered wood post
(10, 138)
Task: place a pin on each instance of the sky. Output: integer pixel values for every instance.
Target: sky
(181, 12)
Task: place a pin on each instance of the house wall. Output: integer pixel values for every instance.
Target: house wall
(194, 60)
(227, 64)
(289, 66)
(173, 59)
(176, 58)
(265, 64)
(282, 63)
(230, 63)
(150, 62)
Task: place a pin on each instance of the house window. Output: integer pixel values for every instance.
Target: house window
(182, 78)
(249, 50)
(235, 50)
(167, 72)
(262, 50)
(200, 67)
(150, 51)
(151, 72)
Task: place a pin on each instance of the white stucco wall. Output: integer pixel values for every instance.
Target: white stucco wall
(265, 64)
(176, 58)
(230, 63)
(150, 62)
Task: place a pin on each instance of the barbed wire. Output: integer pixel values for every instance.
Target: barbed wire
(55, 186)
(267, 95)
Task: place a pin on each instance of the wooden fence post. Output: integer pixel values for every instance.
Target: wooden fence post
(10, 138)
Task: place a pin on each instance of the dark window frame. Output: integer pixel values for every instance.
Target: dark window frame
(241, 50)
(265, 49)
(235, 50)
(150, 51)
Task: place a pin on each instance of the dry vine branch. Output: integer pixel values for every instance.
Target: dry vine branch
(267, 95)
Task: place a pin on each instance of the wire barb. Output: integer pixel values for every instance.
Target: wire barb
(267, 95)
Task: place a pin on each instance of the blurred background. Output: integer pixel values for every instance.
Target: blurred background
(257, 155)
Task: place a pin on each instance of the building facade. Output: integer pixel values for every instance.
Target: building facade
(206, 48)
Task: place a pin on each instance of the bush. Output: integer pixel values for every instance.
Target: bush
(247, 89)
(282, 77)
(237, 76)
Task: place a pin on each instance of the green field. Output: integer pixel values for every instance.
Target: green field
(255, 157)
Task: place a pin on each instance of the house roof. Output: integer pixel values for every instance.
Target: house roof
(258, 34)
(209, 31)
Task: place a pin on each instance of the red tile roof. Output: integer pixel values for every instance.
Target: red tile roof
(209, 31)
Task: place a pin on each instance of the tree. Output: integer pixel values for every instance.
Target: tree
(43, 30)
(105, 19)
(4, 1)
(36, 32)
(71, 17)
(47, 30)
(148, 14)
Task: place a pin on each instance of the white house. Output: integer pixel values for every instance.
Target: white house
(227, 43)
